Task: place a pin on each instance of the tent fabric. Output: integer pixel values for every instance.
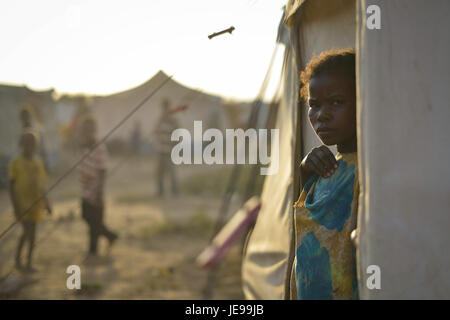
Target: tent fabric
(111, 109)
(404, 74)
(291, 9)
(265, 263)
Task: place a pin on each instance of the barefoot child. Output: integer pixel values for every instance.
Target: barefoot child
(92, 174)
(324, 266)
(26, 188)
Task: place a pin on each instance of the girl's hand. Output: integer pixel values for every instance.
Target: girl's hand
(320, 161)
(354, 238)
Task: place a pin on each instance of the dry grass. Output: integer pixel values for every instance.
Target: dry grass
(155, 256)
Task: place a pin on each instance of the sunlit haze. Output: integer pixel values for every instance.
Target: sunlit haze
(100, 47)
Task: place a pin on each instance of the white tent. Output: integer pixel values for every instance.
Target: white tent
(403, 77)
(111, 109)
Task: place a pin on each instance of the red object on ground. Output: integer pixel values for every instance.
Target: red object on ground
(231, 232)
(178, 109)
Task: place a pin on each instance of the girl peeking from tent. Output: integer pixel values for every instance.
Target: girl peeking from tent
(27, 192)
(325, 213)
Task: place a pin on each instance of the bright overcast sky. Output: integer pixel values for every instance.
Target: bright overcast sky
(105, 46)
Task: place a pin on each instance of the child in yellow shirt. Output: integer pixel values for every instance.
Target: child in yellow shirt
(26, 188)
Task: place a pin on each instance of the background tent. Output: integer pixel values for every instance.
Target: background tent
(403, 72)
(111, 109)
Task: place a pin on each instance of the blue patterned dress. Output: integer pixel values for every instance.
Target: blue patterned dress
(325, 215)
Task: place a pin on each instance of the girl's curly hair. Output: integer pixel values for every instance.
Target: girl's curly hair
(328, 61)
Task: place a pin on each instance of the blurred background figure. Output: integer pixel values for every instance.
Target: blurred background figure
(29, 122)
(71, 129)
(27, 178)
(92, 175)
(166, 125)
(135, 139)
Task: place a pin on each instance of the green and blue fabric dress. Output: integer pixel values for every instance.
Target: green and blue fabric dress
(325, 215)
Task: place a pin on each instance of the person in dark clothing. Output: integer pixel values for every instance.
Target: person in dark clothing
(92, 174)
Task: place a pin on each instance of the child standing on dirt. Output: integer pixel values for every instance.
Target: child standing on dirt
(166, 125)
(325, 216)
(26, 188)
(92, 174)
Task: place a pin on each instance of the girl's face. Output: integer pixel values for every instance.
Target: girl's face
(332, 109)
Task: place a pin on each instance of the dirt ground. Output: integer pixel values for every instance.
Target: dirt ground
(154, 257)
